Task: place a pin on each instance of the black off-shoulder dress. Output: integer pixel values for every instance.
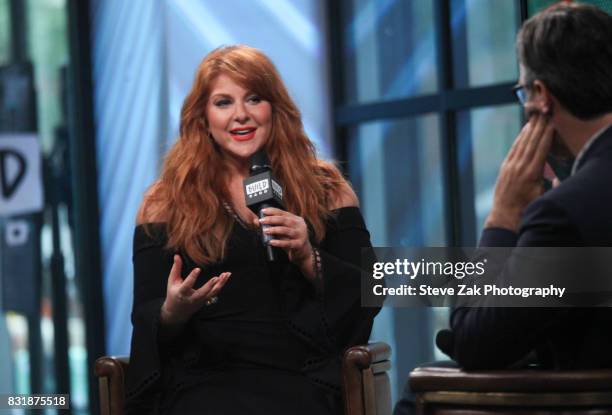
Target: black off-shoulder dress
(273, 341)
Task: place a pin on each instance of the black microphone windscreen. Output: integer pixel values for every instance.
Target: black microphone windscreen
(259, 161)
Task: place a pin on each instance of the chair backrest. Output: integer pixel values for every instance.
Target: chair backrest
(110, 372)
(528, 391)
(367, 389)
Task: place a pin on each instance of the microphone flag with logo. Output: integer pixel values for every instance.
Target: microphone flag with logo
(263, 190)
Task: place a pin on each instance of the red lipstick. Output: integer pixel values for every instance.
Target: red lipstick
(243, 133)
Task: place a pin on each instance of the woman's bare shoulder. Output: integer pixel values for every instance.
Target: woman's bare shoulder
(343, 196)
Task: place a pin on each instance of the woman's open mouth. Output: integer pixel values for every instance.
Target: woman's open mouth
(243, 134)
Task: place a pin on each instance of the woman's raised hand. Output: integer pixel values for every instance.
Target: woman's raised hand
(182, 300)
(291, 234)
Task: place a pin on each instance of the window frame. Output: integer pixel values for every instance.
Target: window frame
(459, 209)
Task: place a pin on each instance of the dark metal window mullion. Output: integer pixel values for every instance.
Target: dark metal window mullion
(336, 66)
(523, 14)
(17, 18)
(455, 100)
(523, 11)
(448, 130)
(88, 268)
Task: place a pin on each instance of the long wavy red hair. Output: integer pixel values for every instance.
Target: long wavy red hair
(192, 185)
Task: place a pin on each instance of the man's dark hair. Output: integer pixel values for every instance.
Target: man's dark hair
(568, 47)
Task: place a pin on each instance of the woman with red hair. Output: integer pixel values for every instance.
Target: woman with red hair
(217, 328)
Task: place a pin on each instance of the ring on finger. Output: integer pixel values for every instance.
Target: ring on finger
(211, 301)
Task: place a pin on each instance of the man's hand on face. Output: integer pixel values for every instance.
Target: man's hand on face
(520, 177)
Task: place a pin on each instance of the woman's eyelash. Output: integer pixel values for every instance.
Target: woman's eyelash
(225, 102)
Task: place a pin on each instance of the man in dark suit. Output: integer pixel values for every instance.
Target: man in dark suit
(565, 86)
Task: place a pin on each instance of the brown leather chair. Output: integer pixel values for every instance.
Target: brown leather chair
(365, 381)
(452, 391)
(111, 371)
(366, 386)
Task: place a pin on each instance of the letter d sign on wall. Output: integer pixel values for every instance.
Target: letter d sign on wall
(20, 174)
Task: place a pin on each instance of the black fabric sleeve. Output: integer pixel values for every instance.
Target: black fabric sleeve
(547, 224)
(152, 264)
(345, 251)
(498, 237)
(498, 337)
(334, 319)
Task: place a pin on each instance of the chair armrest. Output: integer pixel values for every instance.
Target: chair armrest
(364, 356)
(110, 371)
(426, 379)
(111, 366)
(365, 382)
(534, 390)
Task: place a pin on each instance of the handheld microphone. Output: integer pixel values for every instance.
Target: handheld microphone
(262, 190)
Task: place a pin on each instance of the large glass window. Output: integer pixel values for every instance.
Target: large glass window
(483, 41)
(491, 130)
(424, 117)
(388, 49)
(396, 170)
(535, 6)
(5, 27)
